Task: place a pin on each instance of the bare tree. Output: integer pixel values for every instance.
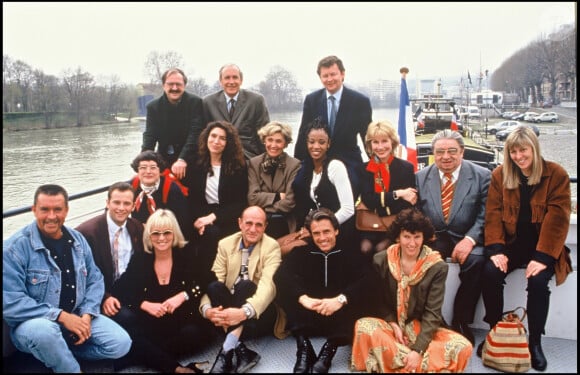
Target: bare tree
(280, 89)
(79, 86)
(157, 63)
(198, 86)
(47, 96)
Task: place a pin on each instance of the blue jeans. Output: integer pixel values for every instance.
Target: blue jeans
(44, 339)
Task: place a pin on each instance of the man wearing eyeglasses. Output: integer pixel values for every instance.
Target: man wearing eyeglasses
(174, 123)
(453, 193)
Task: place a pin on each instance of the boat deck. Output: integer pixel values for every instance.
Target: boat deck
(278, 356)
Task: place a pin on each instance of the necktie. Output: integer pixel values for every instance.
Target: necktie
(231, 110)
(332, 115)
(116, 252)
(447, 195)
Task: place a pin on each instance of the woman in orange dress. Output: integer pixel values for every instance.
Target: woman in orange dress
(411, 337)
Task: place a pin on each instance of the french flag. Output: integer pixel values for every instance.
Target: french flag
(408, 147)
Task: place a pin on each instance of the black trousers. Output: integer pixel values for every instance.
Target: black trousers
(220, 295)
(538, 302)
(470, 275)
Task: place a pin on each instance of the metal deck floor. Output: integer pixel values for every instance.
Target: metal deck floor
(278, 356)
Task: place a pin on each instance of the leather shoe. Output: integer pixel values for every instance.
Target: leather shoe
(246, 358)
(223, 362)
(324, 360)
(305, 356)
(539, 361)
(464, 329)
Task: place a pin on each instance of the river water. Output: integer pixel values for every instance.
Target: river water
(89, 157)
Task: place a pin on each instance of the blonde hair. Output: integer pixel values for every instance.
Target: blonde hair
(522, 136)
(381, 128)
(274, 127)
(162, 218)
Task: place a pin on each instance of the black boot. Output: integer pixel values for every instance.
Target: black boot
(305, 355)
(324, 360)
(539, 361)
(223, 363)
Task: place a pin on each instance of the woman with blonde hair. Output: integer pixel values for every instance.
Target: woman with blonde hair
(163, 287)
(388, 183)
(270, 177)
(527, 216)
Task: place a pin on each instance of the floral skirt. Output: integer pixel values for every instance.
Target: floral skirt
(375, 349)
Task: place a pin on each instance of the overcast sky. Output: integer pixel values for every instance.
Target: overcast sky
(373, 39)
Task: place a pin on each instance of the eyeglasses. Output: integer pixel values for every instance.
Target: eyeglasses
(158, 234)
(171, 84)
(450, 151)
(144, 168)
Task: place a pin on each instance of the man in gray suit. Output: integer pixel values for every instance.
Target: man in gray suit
(459, 224)
(244, 109)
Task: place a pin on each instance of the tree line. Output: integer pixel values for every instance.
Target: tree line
(549, 59)
(87, 100)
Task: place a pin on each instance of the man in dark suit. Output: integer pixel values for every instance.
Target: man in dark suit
(174, 122)
(353, 115)
(459, 233)
(101, 234)
(248, 111)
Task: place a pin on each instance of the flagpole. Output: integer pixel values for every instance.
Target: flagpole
(407, 149)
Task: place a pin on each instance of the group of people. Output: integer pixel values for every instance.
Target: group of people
(187, 251)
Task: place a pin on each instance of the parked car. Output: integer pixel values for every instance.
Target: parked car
(503, 134)
(547, 104)
(546, 117)
(509, 114)
(529, 116)
(519, 116)
(502, 125)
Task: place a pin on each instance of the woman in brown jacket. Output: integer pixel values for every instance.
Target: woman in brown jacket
(526, 223)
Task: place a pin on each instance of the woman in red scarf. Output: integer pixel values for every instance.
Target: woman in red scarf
(411, 336)
(388, 184)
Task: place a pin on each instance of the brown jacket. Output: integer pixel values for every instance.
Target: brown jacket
(551, 206)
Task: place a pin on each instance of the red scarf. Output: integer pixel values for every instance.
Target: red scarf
(150, 202)
(382, 177)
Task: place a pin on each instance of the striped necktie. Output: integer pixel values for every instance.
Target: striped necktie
(116, 252)
(447, 195)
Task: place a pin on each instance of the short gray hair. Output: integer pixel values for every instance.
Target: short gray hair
(448, 134)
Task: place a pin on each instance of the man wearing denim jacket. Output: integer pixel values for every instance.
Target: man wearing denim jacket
(52, 291)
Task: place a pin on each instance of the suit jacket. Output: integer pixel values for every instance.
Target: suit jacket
(250, 114)
(353, 117)
(96, 231)
(174, 126)
(262, 188)
(467, 214)
(232, 194)
(263, 262)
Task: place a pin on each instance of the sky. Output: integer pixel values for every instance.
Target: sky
(373, 39)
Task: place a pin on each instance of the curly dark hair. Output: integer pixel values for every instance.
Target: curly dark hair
(233, 155)
(149, 155)
(317, 124)
(412, 220)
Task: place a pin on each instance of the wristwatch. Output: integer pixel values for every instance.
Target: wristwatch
(342, 299)
(247, 311)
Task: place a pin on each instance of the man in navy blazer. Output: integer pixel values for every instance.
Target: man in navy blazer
(460, 237)
(354, 114)
(100, 234)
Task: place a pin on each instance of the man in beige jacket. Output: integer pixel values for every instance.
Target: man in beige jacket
(243, 293)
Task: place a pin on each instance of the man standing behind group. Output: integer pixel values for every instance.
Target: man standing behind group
(346, 111)
(114, 237)
(453, 194)
(244, 109)
(174, 122)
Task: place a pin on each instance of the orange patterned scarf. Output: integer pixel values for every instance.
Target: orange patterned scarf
(427, 258)
(381, 173)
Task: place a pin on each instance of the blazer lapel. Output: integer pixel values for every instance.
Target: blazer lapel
(223, 105)
(462, 187)
(434, 182)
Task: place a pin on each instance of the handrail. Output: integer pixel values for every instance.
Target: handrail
(72, 197)
(25, 209)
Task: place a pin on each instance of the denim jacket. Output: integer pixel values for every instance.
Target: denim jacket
(32, 280)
